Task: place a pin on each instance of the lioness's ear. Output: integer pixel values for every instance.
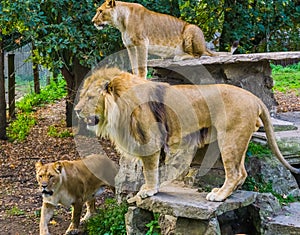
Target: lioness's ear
(57, 167)
(38, 165)
(111, 3)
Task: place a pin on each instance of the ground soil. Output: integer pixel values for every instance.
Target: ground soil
(20, 199)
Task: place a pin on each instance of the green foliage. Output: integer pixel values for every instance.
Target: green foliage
(257, 184)
(258, 150)
(286, 78)
(260, 26)
(55, 132)
(208, 15)
(20, 128)
(15, 211)
(110, 220)
(50, 93)
(154, 228)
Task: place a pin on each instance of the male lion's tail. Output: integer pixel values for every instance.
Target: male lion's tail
(266, 119)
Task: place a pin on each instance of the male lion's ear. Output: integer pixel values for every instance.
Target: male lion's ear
(111, 3)
(108, 87)
(57, 167)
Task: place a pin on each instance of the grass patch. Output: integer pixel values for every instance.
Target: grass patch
(19, 128)
(286, 78)
(59, 132)
(15, 211)
(110, 220)
(258, 150)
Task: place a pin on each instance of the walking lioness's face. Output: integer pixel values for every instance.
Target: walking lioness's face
(103, 14)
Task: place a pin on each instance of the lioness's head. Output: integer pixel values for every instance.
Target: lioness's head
(49, 177)
(103, 15)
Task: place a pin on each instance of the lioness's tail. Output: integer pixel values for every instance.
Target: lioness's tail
(265, 117)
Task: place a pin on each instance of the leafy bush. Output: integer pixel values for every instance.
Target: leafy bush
(20, 128)
(154, 228)
(258, 150)
(110, 220)
(50, 93)
(56, 132)
(258, 184)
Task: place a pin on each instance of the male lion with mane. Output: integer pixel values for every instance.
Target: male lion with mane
(73, 183)
(144, 31)
(143, 118)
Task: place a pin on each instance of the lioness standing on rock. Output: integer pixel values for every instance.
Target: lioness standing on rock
(144, 31)
(73, 183)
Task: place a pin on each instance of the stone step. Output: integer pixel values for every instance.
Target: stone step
(180, 201)
(288, 138)
(286, 222)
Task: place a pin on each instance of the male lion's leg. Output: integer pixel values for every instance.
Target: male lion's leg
(75, 220)
(150, 171)
(233, 156)
(90, 210)
(46, 215)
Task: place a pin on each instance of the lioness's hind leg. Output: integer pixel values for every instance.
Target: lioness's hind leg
(233, 156)
(75, 220)
(193, 41)
(90, 210)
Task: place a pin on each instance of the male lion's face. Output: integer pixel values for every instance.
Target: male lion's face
(103, 14)
(91, 105)
(48, 177)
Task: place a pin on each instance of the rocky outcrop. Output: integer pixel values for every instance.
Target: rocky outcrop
(185, 211)
(249, 71)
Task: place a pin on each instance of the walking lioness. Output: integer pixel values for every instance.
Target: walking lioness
(144, 31)
(73, 183)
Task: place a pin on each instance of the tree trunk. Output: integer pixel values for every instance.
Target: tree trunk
(11, 86)
(3, 121)
(36, 75)
(74, 79)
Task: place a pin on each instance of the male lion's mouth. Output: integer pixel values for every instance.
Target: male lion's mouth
(92, 121)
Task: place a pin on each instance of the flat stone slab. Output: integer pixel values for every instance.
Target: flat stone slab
(254, 57)
(286, 222)
(185, 202)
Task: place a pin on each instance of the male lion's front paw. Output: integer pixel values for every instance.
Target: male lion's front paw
(145, 192)
(216, 196)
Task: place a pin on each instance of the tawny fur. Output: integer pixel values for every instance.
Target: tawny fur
(143, 117)
(73, 183)
(144, 31)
